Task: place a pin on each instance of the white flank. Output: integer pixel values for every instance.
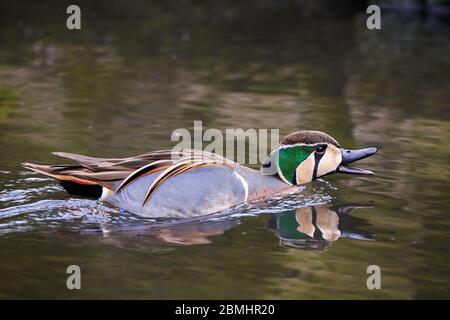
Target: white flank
(105, 193)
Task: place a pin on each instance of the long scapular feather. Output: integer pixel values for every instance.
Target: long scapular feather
(85, 161)
(147, 169)
(181, 166)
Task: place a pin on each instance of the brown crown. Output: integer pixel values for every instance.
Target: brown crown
(308, 137)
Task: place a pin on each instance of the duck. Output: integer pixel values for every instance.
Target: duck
(192, 183)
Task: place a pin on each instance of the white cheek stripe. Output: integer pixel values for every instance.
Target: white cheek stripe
(244, 185)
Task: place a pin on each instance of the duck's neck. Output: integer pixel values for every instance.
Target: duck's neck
(261, 186)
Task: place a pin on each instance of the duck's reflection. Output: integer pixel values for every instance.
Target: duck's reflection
(307, 228)
(317, 227)
(193, 233)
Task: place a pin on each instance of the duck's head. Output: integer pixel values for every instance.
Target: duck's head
(306, 155)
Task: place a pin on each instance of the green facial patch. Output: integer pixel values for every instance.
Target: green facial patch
(289, 159)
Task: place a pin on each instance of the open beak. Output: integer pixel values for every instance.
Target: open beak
(349, 156)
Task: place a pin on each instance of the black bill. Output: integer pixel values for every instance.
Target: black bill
(349, 156)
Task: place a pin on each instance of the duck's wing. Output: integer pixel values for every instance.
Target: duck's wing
(185, 165)
(179, 162)
(135, 162)
(100, 171)
(78, 174)
(112, 164)
(107, 172)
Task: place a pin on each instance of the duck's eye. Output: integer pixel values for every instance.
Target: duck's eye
(321, 148)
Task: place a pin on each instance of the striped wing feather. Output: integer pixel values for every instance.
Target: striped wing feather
(182, 166)
(107, 171)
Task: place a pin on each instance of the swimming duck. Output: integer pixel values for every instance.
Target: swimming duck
(186, 183)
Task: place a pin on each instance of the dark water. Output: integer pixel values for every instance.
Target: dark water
(138, 70)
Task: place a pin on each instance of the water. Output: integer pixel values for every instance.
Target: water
(137, 71)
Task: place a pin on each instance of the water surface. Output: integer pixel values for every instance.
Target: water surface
(139, 70)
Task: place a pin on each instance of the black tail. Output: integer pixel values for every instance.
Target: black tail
(93, 191)
(72, 184)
